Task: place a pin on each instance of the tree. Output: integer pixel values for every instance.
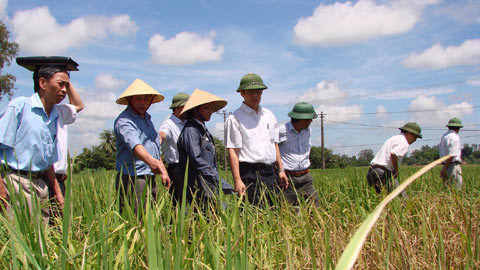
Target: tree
(108, 141)
(364, 157)
(8, 51)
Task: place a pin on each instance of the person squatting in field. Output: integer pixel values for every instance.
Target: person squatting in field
(387, 161)
(169, 132)
(251, 137)
(450, 145)
(138, 146)
(28, 133)
(196, 148)
(294, 144)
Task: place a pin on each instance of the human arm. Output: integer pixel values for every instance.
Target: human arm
(394, 160)
(281, 171)
(238, 184)
(3, 193)
(162, 136)
(156, 165)
(74, 97)
(54, 186)
(447, 164)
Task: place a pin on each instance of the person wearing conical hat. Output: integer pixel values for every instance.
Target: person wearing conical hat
(251, 137)
(169, 131)
(450, 145)
(28, 133)
(197, 147)
(138, 145)
(387, 161)
(295, 148)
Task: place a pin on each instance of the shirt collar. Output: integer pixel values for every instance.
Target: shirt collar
(249, 110)
(36, 102)
(135, 115)
(175, 119)
(291, 127)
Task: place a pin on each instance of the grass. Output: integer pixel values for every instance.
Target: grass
(434, 227)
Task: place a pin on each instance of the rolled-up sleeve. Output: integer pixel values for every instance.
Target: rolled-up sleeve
(8, 126)
(233, 137)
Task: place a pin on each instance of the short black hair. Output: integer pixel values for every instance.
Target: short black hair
(454, 128)
(47, 73)
(294, 120)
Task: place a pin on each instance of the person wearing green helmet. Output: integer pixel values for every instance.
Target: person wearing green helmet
(169, 131)
(450, 146)
(387, 161)
(251, 137)
(295, 148)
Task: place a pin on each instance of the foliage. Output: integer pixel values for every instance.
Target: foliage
(433, 228)
(423, 156)
(98, 157)
(8, 51)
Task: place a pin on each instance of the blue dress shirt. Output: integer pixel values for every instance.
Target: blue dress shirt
(131, 130)
(27, 135)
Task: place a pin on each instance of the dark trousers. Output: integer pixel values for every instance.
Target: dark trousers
(380, 177)
(177, 176)
(301, 186)
(261, 182)
(135, 188)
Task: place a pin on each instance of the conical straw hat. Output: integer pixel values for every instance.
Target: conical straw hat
(139, 87)
(200, 97)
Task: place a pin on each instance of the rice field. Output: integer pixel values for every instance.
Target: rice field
(432, 227)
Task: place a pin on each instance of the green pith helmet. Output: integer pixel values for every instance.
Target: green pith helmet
(455, 123)
(413, 128)
(251, 81)
(303, 110)
(179, 100)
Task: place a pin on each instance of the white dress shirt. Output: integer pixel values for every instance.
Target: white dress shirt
(450, 145)
(294, 147)
(172, 127)
(254, 133)
(397, 145)
(67, 114)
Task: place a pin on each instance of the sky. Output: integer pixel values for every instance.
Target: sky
(368, 66)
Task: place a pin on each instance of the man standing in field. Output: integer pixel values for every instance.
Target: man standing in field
(295, 151)
(450, 145)
(169, 132)
(28, 133)
(251, 137)
(388, 160)
(138, 145)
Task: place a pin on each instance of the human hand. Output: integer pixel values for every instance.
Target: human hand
(443, 173)
(283, 179)
(60, 200)
(167, 182)
(239, 187)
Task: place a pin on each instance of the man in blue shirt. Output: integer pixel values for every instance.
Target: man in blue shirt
(138, 145)
(28, 132)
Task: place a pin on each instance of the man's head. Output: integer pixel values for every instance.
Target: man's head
(178, 102)
(455, 124)
(139, 95)
(251, 88)
(302, 115)
(412, 131)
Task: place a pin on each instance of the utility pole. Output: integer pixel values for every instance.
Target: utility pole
(323, 142)
(224, 113)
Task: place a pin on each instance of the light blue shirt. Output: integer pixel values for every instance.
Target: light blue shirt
(294, 147)
(131, 130)
(28, 137)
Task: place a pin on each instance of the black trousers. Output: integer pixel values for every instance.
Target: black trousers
(261, 181)
(177, 176)
(380, 178)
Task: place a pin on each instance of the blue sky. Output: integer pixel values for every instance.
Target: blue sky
(369, 66)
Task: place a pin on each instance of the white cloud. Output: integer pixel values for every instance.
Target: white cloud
(340, 113)
(474, 82)
(438, 57)
(37, 31)
(440, 112)
(184, 49)
(381, 111)
(411, 93)
(345, 23)
(217, 130)
(106, 82)
(3, 10)
(101, 106)
(324, 92)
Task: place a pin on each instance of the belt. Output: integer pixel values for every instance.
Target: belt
(297, 173)
(454, 163)
(376, 166)
(28, 174)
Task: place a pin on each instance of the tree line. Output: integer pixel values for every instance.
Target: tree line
(102, 156)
